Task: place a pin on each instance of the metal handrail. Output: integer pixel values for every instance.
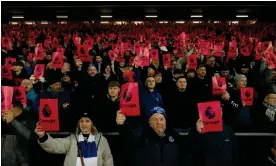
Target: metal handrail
(181, 133)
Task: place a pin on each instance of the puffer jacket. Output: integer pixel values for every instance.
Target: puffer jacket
(17, 140)
(69, 147)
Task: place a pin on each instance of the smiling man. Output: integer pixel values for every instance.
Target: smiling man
(154, 143)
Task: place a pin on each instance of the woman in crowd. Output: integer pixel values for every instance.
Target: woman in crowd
(87, 147)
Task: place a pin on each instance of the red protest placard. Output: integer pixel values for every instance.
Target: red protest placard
(57, 60)
(232, 51)
(83, 54)
(270, 59)
(180, 52)
(182, 36)
(244, 50)
(20, 94)
(18, 81)
(163, 41)
(115, 47)
(154, 55)
(218, 50)
(6, 98)
(48, 114)
(39, 53)
(247, 96)
(219, 85)
(105, 44)
(167, 60)
(266, 46)
(9, 60)
(143, 61)
(55, 43)
(204, 48)
(192, 61)
(211, 115)
(90, 43)
(112, 56)
(129, 99)
(39, 70)
(6, 72)
(47, 43)
(137, 46)
(6, 43)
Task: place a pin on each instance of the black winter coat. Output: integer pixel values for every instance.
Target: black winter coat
(152, 150)
(214, 149)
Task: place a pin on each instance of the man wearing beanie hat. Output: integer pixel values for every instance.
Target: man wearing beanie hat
(18, 70)
(67, 82)
(56, 91)
(155, 144)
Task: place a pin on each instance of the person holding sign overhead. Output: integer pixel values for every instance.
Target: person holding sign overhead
(154, 143)
(86, 147)
(149, 98)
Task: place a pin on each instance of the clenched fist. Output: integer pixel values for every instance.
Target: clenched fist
(199, 126)
(8, 116)
(120, 118)
(40, 132)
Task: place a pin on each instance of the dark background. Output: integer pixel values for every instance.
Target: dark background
(121, 11)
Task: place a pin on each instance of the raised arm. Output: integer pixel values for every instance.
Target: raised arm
(132, 136)
(52, 145)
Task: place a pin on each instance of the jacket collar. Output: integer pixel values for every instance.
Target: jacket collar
(108, 96)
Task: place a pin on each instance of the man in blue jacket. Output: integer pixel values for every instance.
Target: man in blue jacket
(148, 97)
(154, 144)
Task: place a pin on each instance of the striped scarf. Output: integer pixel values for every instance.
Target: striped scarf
(271, 111)
(88, 149)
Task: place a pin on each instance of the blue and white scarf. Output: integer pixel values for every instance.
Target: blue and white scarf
(89, 151)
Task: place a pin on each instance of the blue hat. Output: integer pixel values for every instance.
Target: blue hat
(158, 110)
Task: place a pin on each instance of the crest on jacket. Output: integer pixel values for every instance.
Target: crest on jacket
(171, 139)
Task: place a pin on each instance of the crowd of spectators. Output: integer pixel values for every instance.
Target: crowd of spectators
(98, 58)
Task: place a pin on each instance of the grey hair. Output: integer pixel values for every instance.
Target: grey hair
(238, 77)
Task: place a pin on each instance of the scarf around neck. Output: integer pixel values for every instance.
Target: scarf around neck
(89, 150)
(271, 111)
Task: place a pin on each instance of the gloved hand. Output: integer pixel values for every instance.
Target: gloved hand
(32, 78)
(41, 79)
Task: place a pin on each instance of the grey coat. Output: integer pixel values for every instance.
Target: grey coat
(15, 145)
(69, 147)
